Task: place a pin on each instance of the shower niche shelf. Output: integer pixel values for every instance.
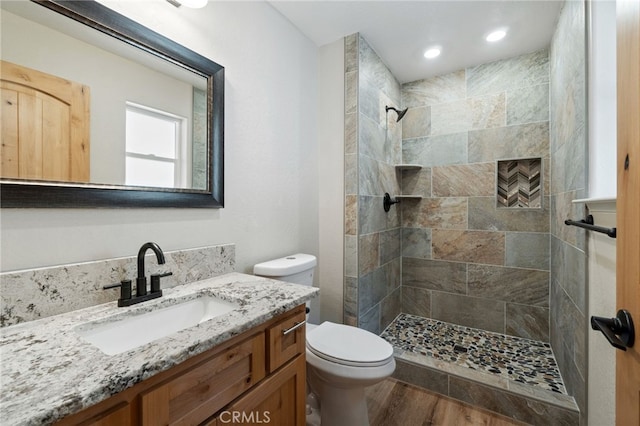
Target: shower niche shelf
(408, 166)
(409, 197)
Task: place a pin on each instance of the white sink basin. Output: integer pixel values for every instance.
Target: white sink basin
(128, 333)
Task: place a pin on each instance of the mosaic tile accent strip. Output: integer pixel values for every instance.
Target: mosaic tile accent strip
(521, 360)
(519, 183)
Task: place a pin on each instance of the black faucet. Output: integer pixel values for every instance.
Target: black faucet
(141, 280)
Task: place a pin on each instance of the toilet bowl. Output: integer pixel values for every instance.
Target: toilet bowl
(341, 360)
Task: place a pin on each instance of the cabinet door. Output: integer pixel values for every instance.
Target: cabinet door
(285, 341)
(197, 394)
(278, 400)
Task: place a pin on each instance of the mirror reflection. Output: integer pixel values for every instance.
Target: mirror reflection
(79, 106)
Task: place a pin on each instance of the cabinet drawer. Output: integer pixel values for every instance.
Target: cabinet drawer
(285, 341)
(207, 387)
(278, 400)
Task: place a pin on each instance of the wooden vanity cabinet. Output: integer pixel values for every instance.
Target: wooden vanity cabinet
(257, 377)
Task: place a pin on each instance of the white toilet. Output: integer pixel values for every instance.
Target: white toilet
(341, 360)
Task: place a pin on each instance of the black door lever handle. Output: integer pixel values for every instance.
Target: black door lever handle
(619, 331)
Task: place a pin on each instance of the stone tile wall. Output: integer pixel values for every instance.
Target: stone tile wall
(38, 293)
(464, 260)
(372, 148)
(569, 320)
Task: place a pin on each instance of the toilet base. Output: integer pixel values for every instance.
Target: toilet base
(344, 407)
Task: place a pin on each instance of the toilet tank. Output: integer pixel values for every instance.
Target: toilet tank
(297, 268)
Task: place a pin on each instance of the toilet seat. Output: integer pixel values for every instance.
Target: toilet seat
(347, 345)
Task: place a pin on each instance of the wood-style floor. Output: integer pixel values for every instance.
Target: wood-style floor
(395, 403)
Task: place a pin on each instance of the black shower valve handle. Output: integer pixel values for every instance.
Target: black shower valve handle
(387, 202)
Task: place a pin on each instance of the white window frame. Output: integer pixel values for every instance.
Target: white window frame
(182, 163)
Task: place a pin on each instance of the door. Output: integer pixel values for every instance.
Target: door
(628, 206)
(45, 126)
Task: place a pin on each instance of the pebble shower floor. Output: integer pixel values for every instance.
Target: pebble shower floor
(522, 360)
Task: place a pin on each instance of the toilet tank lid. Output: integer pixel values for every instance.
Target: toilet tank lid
(287, 265)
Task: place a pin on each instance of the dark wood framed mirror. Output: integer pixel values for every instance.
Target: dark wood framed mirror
(28, 192)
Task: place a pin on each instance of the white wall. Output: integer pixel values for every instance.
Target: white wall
(331, 179)
(602, 303)
(271, 168)
(602, 185)
(602, 100)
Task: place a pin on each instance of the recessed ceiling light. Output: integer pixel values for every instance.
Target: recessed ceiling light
(496, 35)
(432, 53)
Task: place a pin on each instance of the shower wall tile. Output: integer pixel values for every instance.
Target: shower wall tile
(511, 142)
(416, 242)
(498, 76)
(375, 138)
(467, 114)
(416, 182)
(389, 245)
(436, 150)
(390, 308)
(373, 218)
(468, 246)
(369, 100)
(392, 274)
(435, 275)
(351, 53)
(350, 300)
(416, 301)
(516, 285)
(350, 214)
(370, 320)
(416, 123)
(350, 256)
(368, 253)
(449, 213)
(528, 250)
(351, 93)
(350, 133)
(350, 174)
(435, 90)
(377, 74)
(475, 312)
(528, 104)
(464, 180)
(483, 214)
(563, 208)
(372, 288)
(530, 322)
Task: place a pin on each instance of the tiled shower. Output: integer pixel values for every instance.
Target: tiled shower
(480, 242)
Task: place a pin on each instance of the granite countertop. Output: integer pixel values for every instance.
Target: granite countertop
(49, 372)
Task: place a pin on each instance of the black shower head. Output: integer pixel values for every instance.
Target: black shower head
(400, 113)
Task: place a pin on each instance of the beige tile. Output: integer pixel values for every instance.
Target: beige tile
(511, 142)
(416, 182)
(434, 90)
(350, 213)
(468, 246)
(368, 253)
(416, 301)
(524, 286)
(483, 214)
(449, 213)
(486, 314)
(435, 274)
(464, 180)
(416, 123)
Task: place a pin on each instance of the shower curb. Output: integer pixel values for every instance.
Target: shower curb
(506, 397)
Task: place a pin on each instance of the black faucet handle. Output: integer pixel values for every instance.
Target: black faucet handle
(125, 289)
(155, 281)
